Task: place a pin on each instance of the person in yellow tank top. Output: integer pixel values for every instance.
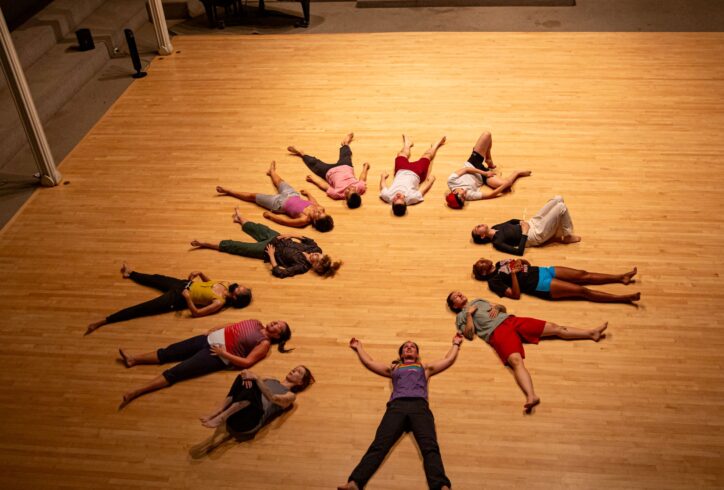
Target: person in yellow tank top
(202, 298)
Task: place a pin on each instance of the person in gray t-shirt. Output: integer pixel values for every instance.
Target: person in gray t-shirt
(254, 401)
(506, 333)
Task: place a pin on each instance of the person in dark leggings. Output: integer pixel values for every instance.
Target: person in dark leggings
(254, 401)
(511, 277)
(239, 345)
(288, 255)
(407, 410)
(337, 179)
(202, 298)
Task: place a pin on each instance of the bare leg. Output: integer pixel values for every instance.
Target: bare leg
(225, 403)
(483, 146)
(272, 172)
(432, 151)
(347, 139)
(294, 151)
(522, 377)
(407, 144)
(571, 333)
(244, 196)
(562, 289)
(228, 412)
(198, 244)
(147, 358)
(156, 383)
(578, 276)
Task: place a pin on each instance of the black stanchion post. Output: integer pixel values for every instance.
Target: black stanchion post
(131, 41)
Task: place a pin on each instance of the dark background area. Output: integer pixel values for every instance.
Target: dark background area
(18, 11)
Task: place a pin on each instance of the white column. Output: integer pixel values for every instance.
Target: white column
(159, 23)
(13, 70)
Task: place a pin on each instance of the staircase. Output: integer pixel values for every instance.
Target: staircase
(71, 89)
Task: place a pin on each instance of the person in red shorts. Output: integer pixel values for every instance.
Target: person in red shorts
(406, 188)
(506, 334)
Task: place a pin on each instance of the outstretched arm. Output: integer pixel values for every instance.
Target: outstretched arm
(441, 365)
(300, 222)
(369, 363)
(425, 187)
(322, 184)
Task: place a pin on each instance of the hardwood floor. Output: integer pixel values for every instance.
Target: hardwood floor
(627, 127)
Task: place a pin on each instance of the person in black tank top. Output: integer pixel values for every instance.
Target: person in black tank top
(407, 410)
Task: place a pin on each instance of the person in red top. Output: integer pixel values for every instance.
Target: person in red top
(337, 179)
(239, 345)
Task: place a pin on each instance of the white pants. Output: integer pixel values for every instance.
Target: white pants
(553, 220)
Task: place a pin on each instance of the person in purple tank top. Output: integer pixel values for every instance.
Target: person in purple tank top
(299, 212)
(407, 410)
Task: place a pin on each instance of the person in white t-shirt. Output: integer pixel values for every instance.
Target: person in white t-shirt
(466, 183)
(412, 179)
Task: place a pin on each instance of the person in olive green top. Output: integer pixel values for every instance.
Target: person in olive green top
(202, 298)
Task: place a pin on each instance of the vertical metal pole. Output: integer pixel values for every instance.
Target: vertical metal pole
(159, 23)
(13, 70)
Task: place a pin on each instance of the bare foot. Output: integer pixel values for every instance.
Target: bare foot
(530, 404)
(524, 173)
(196, 243)
(442, 141)
(94, 326)
(635, 297)
(126, 270)
(570, 239)
(128, 361)
(628, 277)
(598, 333)
(237, 217)
(348, 139)
(350, 485)
(127, 398)
(407, 142)
(272, 168)
(213, 422)
(294, 151)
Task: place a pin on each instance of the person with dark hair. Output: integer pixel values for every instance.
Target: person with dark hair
(288, 255)
(202, 298)
(407, 410)
(506, 333)
(337, 179)
(466, 183)
(239, 345)
(511, 277)
(254, 401)
(553, 222)
(299, 212)
(406, 188)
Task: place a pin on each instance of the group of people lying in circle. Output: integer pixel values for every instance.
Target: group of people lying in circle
(253, 400)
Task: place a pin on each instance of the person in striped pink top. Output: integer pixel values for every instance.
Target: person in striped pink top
(239, 345)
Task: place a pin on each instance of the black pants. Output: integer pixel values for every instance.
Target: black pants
(320, 168)
(404, 414)
(171, 299)
(195, 356)
(477, 160)
(246, 419)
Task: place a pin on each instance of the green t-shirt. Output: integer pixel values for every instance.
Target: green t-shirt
(484, 325)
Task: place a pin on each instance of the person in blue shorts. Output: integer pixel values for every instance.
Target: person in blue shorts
(511, 277)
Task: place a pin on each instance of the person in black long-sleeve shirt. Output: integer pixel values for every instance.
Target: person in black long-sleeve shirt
(288, 255)
(552, 222)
